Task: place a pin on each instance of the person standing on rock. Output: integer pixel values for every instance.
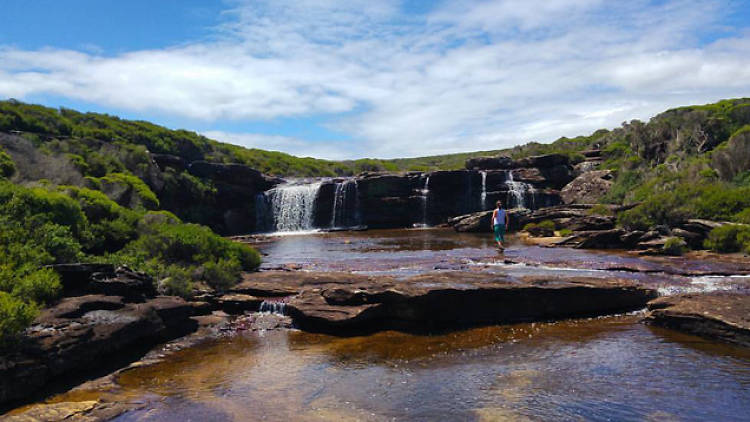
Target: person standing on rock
(499, 224)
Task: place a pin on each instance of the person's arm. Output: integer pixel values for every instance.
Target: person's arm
(492, 220)
(507, 221)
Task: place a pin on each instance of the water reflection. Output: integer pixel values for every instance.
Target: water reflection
(597, 369)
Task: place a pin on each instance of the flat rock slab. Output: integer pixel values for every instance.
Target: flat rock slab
(720, 315)
(345, 303)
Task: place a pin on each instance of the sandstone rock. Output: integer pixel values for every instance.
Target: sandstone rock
(124, 282)
(76, 277)
(233, 174)
(83, 333)
(720, 315)
(543, 161)
(587, 188)
(237, 303)
(165, 161)
(490, 163)
(345, 303)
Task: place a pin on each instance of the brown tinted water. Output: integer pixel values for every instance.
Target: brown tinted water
(605, 369)
(601, 369)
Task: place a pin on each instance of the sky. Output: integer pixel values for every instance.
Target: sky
(384, 79)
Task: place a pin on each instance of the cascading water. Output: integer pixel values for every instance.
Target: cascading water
(292, 206)
(518, 192)
(345, 205)
(484, 190)
(424, 194)
(273, 307)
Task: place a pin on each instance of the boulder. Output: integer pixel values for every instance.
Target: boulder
(721, 316)
(124, 282)
(164, 161)
(559, 175)
(543, 161)
(344, 303)
(599, 239)
(587, 188)
(234, 174)
(77, 277)
(83, 333)
(490, 163)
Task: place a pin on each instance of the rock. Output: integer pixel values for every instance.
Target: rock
(540, 230)
(544, 161)
(600, 239)
(233, 174)
(165, 161)
(83, 333)
(692, 239)
(589, 223)
(490, 163)
(55, 412)
(719, 315)
(474, 222)
(345, 303)
(76, 277)
(479, 222)
(237, 303)
(587, 188)
(124, 282)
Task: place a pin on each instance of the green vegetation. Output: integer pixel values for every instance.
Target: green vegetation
(600, 209)
(565, 232)
(542, 228)
(7, 166)
(674, 246)
(50, 225)
(729, 238)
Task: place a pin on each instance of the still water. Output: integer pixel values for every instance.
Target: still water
(606, 369)
(603, 369)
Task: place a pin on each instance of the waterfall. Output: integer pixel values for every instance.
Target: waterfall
(424, 195)
(484, 190)
(518, 192)
(345, 205)
(273, 307)
(292, 206)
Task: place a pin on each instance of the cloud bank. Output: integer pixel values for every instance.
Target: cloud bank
(466, 75)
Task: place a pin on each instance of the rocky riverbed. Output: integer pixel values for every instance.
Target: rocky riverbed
(354, 283)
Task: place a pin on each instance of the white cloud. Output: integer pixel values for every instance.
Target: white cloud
(470, 75)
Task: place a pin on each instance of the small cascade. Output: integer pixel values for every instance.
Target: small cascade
(424, 196)
(345, 205)
(484, 190)
(518, 192)
(273, 307)
(292, 206)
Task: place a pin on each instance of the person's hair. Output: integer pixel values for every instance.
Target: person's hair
(499, 203)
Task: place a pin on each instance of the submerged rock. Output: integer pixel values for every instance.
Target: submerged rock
(721, 315)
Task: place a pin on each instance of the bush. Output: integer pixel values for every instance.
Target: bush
(542, 229)
(222, 274)
(728, 238)
(674, 246)
(566, 232)
(40, 286)
(600, 209)
(7, 166)
(742, 216)
(15, 316)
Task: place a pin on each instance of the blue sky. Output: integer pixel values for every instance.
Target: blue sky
(335, 79)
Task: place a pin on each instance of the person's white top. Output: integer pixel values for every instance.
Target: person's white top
(499, 217)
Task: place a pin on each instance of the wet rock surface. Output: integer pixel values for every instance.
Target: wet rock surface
(721, 316)
(344, 303)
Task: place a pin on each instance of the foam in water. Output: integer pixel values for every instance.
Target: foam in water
(292, 206)
(424, 196)
(273, 307)
(484, 190)
(518, 192)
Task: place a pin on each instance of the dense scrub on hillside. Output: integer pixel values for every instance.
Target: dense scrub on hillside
(64, 224)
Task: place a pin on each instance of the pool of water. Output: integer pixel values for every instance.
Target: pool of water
(403, 253)
(599, 369)
(602, 369)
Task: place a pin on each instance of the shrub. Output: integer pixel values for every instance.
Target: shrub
(543, 228)
(728, 238)
(566, 232)
(143, 194)
(222, 274)
(15, 315)
(40, 286)
(742, 216)
(674, 246)
(7, 166)
(600, 209)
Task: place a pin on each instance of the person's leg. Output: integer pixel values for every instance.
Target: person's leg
(497, 234)
(501, 235)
